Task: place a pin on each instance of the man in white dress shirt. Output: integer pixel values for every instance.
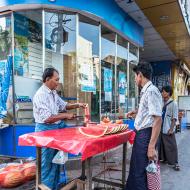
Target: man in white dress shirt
(49, 113)
(147, 126)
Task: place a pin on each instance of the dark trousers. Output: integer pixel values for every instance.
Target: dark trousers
(137, 179)
(168, 149)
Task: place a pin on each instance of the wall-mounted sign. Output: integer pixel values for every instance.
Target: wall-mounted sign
(108, 76)
(122, 86)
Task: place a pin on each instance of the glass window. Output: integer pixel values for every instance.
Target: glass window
(89, 65)
(6, 100)
(121, 89)
(28, 44)
(133, 53)
(108, 53)
(60, 51)
(28, 65)
(133, 90)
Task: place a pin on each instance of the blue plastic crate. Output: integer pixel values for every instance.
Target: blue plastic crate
(130, 122)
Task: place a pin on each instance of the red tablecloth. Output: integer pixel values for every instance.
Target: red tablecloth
(72, 141)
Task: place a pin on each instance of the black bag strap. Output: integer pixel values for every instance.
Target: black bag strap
(164, 113)
(165, 106)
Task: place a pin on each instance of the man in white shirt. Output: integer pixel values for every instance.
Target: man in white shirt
(147, 126)
(49, 113)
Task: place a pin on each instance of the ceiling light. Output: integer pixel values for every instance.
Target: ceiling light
(164, 17)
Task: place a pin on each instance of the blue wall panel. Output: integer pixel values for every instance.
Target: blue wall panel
(24, 151)
(108, 10)
(7, 141)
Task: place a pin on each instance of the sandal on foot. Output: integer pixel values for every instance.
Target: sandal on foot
(176, 167)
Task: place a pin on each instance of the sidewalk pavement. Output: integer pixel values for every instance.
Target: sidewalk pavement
(178, 180)
(171, 180)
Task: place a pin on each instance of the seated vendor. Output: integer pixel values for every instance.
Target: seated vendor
(47, 108)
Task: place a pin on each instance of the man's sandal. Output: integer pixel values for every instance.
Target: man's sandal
(176, 167)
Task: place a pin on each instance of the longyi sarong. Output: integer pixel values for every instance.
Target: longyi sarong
(50, 172)
(137, 179)
(168, 149)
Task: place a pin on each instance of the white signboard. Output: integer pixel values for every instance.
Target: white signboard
(184, 102)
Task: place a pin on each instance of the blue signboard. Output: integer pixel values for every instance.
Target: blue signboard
(106, 10)
(21, 25)
(122, 83)
(122, 87)
(108, 80)
(108, 75)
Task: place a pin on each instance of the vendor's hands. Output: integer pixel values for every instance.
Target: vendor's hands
(82, 105)
(70, 116)
(152, 154)
(131, 114)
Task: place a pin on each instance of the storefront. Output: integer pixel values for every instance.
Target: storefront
(172, 73)
(180, 80)
(93, 44)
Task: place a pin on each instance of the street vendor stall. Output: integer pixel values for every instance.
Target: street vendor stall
(95, 67)
(73, 141)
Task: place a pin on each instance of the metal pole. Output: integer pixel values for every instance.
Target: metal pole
(83, 175)
(128, 78)
(124, 164)
(89, 175)
(77, 60)
(100, 72)
(38, 168)
(13, 83)
(13, 79)
(136, 87)
(116, 89)
(43, 39)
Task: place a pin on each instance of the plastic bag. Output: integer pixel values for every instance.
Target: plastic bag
(60, 158)
(152, 167)
(29, 170)
(153, 176)
(13, 179)
(5, 169)
(15, 174)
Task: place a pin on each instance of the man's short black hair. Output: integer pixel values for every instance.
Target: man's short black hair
(48, 73)
(145, 69)
(168, 89)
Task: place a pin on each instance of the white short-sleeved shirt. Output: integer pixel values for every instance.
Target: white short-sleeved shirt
(171, 113)
(46, 103)
(150, 105)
